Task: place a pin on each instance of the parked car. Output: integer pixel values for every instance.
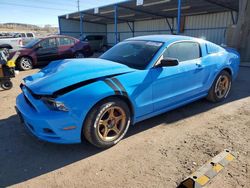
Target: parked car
(5, 34)
(98, 98)
(26, 37)
(17, 40)
(97, 42)
(43, 50)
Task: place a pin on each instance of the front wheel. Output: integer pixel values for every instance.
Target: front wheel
(24, 63)
(220, 88)
(107, 123)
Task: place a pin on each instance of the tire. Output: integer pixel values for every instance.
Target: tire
(79, 55)
(6, 84)
(107, 123)
(220, 88)
(25, 63)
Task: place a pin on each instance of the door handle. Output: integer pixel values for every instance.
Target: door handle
(199, 66)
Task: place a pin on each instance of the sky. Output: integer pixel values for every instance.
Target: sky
(42, 12)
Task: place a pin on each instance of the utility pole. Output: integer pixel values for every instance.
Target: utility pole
(78, 5)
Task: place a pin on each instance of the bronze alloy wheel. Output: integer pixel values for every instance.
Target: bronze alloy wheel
(111, 124)
(107, 122)
(222, 86)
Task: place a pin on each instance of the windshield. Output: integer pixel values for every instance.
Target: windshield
(135, 54)
(31, 43)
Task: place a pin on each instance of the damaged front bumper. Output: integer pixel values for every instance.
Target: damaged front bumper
(46, 124)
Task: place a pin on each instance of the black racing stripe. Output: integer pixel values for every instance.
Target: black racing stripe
(118, 83)
(81, 84)
(110, 84)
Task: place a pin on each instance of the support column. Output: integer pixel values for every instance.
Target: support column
(116, 30)
(81, 25)
(59, 24)
(179, 17)
(133, 27)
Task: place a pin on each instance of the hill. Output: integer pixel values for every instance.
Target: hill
(20, 27)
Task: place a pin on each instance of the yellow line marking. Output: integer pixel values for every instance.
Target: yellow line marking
(211, 169)
(202, 180)
(230, 157)
(217, 168)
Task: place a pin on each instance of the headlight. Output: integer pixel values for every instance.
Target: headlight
(54, 105)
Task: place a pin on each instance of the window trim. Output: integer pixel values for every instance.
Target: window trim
(180, 41)
(39, 43)
(58, 41)
(31, 35)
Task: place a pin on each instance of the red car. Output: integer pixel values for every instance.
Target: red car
(43, 50)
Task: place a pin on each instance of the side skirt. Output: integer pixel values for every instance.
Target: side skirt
(147, 116)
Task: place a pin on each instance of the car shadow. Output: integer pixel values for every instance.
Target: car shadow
(23, 157)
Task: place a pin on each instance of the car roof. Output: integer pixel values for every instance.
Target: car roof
(51, 36)
(163, 38)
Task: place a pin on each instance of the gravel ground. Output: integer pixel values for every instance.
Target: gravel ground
(159, 152)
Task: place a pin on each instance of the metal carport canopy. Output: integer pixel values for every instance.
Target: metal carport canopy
(128, 11)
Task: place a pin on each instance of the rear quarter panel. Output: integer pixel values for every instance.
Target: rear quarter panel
(216, 62)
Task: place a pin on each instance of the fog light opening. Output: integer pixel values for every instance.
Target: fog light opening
(49, 131)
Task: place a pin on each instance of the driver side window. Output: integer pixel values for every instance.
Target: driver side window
(48, 43)
(183, 51)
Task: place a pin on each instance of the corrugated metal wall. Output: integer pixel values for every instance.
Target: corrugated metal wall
(72, 28)
(209, 26)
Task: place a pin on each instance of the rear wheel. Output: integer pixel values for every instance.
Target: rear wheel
(104, 48)
(107, 123)
(25, 63)
(79, 55)
(220, 88)
(6, 84)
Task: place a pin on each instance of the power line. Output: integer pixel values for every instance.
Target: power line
(69, 4)
(51, 2)
(31, 6)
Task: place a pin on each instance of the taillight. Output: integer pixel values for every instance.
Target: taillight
(20, 42)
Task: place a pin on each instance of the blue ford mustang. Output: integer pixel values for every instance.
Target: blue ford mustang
(99, 98)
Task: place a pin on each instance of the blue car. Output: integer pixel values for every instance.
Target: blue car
(99, 98)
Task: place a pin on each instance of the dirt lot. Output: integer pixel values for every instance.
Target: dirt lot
(158, 152)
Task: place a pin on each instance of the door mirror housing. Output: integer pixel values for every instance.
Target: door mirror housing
(169, 62)
(38, 47)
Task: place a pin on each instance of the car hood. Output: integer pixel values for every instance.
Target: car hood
(64, 73)
(22, 51)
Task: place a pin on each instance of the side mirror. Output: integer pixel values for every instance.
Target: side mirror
(169, 62)
(38, 47)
